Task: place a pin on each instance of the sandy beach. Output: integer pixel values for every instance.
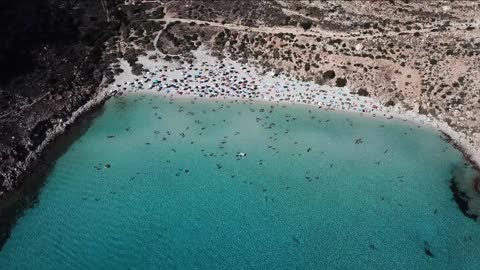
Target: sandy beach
(209, 78)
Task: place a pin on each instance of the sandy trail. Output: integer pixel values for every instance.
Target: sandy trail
(316, 32)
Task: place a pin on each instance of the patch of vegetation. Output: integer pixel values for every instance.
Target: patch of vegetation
(329, 74)
(362, 92)
(341, 82)
(306, 25)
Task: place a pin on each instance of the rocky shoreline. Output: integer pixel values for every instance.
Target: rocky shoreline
(68, 47)
(32, 179)
(58, 129)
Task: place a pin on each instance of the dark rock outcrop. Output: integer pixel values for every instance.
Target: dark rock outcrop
(462, 200)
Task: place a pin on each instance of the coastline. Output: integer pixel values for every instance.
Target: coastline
(104, 191)
(100, 97)
(468, 147)
(408, 69)
(170, 35)
(19, 199)
(460, 141)
(14, 203)
(448, 134)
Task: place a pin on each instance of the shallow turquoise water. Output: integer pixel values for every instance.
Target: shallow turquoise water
(317, 190)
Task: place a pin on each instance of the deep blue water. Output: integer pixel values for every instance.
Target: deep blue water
(155, 184)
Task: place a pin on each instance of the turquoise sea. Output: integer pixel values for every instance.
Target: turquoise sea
(159, 184)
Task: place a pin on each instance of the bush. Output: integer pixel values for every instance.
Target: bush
(341, 82)
(306, 25)
(363, 92)
(307, 67)
(390, 103)
(329, 74)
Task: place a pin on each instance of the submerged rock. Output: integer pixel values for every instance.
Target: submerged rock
(462, 200)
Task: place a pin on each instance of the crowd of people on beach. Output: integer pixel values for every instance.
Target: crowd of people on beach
(204, 79)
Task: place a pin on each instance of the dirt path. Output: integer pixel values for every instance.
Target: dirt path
(21, 109)
(155, 41)
(314, 31)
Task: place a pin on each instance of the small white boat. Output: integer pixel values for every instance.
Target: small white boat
(241, 154)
